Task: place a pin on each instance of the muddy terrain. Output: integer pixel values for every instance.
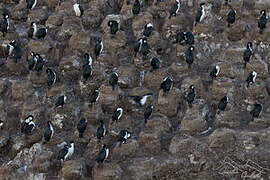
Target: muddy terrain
(178, 142)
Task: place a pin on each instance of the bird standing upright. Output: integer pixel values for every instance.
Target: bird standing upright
(4, 24)
(175, 8)
(247, 53)
(262, 21)
(231, 17)
(200, 14)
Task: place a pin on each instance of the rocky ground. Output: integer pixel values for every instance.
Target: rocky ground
(171, 145)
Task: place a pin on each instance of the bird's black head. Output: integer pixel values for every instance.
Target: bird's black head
(33, 24)
(48, 70)
(86, 56)
(110, 23)
(99, 41)
(32, 54)
(263, 12)
(49, 123)
(13, 43)
(101, 121)
(5, 15)
(249, 44)
(233, 12)
(191, 87)
(71, 141)
(202, 4)
(104, 146)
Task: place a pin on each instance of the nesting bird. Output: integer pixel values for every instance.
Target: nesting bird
(87, 59)
(78, 9)
(94, 97)
(101, 131)
(9, 48)
(148, 28)
(145, 48)
(37, 33)
(175, 8)
(189, 56)
(28, 125)
(247, 53)
(262, 21)
(113, 80)
(31, 4)
(184, 37)
(200, 14)
(66, 152)
(137, 46)
(155, 64)
(257, 110)
(166, 85)
(141, 100)
(4, 24)
(48, 134)
(61, 100)
(39, 64)
(136, 7)
(98, 47)
(251, 78)
(123, 136)
(102, 154)
(87, 71)
(223, 103)
(114, 26)
(51, 77)
(191, 95)
(117, 114)
(231, 17)
(32, 61)
(81, 126)
(215, 71)
(147, 112)
(17, 51)
(1, 124)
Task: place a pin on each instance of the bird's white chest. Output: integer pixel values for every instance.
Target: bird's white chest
(101, 49)
(107, 153)
(203, 14)
(178, 8)
(54, 77)
(11, 48)
(34, 5)
(77, 9)
(143, 100)
(7, 24)
(51, 128)
(121, 112)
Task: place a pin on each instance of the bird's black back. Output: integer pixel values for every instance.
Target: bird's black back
(93, 97)
(41, 33)
(136, 7)
(62, 153)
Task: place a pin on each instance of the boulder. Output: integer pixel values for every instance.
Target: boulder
(109, 99)
(70, 26)
(80, 42)
(140, 168)
(125, 151)
(92, 18)
(70, 67)
(150, 142)
(194, 121)
(37, 80)
(223, 138)
(54, 21)
(41, 47)
(73, 169)
(42, 163)
(107, 171)
(168, 104)
(38, 16)
(128, 77)
(21, 90)
(20, 12)
(153, 79)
